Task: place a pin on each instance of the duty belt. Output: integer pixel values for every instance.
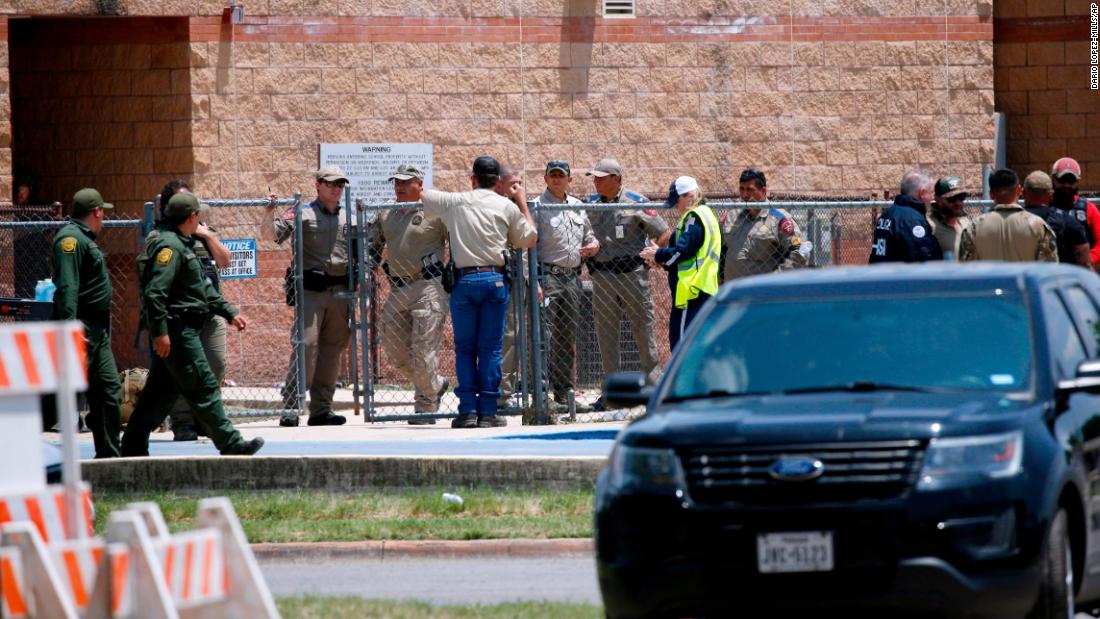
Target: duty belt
(427, 273)
(559, 270)
(196, 319)
(486, 269)
(319, 281)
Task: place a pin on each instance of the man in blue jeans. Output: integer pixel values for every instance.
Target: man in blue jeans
(481, 225)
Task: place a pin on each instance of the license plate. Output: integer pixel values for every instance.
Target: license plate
(802, 551)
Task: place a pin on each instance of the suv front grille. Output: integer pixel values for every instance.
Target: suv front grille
(852, 471)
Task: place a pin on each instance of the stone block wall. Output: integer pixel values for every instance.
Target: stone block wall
(1041, 58)
(102, 103)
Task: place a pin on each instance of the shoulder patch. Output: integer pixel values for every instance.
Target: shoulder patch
(918, 231)
(594, 197)
(68, 244)
(164, 256)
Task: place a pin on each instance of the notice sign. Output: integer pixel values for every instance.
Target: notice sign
(369, 166)
(243, 263)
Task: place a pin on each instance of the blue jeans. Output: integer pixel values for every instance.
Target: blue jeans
(479, 304)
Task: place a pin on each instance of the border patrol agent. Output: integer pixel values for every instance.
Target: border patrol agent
(212, 254)
(761, 240)
(902, 233)
(325, 268)
(565, 238)
(693, 258)
(620, 281)
(178, 300)
(413, 316)
(84, 294)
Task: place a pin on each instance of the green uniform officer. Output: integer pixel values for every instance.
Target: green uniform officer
(84, 293)
(178, 301)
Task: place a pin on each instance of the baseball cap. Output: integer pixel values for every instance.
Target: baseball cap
(331, 173)
(1064, 166)
(557, 164)
(183, 204)
(405, 171)
(486, 165)
(606, 167)
(87, 200)
(1038, 181)
(949, 187)
(679, 187)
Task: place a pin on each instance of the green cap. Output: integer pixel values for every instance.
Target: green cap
(183, 204)
(949, 187)
(87, 200)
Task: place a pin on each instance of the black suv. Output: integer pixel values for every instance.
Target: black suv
(910, 439)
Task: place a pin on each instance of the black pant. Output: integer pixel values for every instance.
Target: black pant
(679, 319)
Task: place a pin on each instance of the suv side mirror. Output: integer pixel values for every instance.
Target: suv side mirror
(626, 389)
(1086, 379)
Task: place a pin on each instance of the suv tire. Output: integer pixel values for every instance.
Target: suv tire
(1056, 587)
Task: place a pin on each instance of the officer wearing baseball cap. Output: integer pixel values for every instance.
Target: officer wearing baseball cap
(413, 315)
(325, 266)
(84, 293)
(178, 300)
(1066, 173)
(947, 217)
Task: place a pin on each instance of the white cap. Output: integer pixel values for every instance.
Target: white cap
(682, 185)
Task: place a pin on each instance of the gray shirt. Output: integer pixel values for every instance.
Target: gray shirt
(623, 233)
(562, 233)
(324, 238)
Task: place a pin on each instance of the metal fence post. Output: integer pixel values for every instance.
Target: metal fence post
(537, 360)
(299, 315)
(367, 311)
(147, 222)
(521, 357)
(351, 233)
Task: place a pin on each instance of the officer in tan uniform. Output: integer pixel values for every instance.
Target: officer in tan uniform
(509, 185)
(325, 264)
(620, 281)
(1008, 232)
(413, 315)
(947, 216)
(761, 240)
(565, 238)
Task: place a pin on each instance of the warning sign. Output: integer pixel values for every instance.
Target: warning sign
(243, 263)
(369, 166)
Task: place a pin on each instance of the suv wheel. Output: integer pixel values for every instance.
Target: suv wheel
(1056, 587)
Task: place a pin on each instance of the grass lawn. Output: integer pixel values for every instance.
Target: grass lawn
(384, 514)
(354, 608)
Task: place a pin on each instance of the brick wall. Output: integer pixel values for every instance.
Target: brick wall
(1041, 57)
(101, 103)
(843, 98)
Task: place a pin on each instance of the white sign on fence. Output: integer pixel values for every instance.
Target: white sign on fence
(243, 263)
(369, 166)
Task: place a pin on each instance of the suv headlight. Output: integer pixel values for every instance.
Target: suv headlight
(951, 461)
(644, 468)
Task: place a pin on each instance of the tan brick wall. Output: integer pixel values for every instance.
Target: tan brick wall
(111, 113)
(1041, 61)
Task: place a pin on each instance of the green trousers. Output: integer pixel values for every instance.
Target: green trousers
(212, 336)
(184, 373)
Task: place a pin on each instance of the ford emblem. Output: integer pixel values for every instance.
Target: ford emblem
(796, 468)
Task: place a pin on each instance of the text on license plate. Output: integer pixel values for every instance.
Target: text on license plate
(801, 551)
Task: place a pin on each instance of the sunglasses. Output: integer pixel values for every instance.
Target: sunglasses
(334, 184)
(958, 198)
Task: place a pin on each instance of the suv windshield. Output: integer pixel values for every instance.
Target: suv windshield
(932, 343)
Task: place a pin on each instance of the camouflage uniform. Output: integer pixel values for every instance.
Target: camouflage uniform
(767, 241)
(1009, 233)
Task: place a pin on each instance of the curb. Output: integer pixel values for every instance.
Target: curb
(424, 549)
(335, 473)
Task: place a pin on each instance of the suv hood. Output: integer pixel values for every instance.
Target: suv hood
(826, 417)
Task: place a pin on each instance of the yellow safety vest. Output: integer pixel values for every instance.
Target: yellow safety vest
(700, 274)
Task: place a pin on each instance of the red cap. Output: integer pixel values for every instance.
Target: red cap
(1064, 166)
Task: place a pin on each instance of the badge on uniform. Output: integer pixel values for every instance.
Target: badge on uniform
(620, 231)
(555, 221)
(68, 244)
(164, 256)
(786, 226)
(1081, 214)
(417, 220)
(918, 231)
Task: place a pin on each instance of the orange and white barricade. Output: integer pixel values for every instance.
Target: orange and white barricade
(51, 565)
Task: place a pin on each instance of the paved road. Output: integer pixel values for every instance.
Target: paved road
(440, 581)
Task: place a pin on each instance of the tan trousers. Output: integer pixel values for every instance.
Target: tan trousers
(612, 295)
(326, 336)
(411, 331)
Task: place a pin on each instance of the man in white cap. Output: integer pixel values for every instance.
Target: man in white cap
(1066, 173)
(325, 266)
